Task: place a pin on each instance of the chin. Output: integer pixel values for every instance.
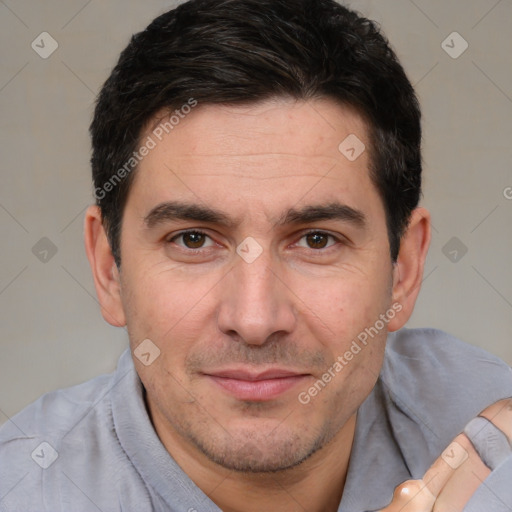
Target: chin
(258, 451)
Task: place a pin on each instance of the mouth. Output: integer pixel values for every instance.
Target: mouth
(256, 386)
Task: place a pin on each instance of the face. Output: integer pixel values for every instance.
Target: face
(254, 253)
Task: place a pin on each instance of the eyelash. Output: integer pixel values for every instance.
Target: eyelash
(310, 232)
(195, 231)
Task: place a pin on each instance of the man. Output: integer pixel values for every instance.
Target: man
(257, 171)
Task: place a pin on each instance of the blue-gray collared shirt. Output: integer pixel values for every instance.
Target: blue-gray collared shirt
(92, 447)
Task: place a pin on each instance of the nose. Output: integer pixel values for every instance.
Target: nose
(256, 303)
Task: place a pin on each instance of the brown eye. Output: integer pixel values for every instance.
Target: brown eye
(192, 240)
(317, 240)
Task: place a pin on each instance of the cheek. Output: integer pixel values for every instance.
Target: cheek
(342, 307)
(172, 314)
(165, 308)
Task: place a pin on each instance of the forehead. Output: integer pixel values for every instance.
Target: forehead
(309, 128)
(267, 154)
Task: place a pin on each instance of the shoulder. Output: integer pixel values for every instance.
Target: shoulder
(434, 384)
(431, 361)
(57, 438)
(55, 413)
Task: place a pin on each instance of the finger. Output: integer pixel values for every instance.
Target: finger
(489, 441)
(485, 443)
(468, 472)
(445, 466)
(420, 495)
(453, 478)
(447, 485)
(411, 496)
(500, 414)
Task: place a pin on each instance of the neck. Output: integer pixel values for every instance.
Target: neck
(316, 485)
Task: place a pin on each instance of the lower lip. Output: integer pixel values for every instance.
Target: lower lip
(258, 390)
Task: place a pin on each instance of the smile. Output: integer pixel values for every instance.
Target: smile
(260, 387)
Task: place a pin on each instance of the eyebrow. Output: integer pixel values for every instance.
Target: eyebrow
(175, 210)
(330, 211)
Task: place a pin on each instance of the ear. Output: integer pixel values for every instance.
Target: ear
(104, 269)
(408, 269)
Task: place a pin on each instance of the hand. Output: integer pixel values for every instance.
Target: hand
(453, 478)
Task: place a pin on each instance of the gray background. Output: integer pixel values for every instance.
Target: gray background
(52, 332)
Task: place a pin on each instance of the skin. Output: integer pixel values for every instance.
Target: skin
(449, 487)
(297, 306)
